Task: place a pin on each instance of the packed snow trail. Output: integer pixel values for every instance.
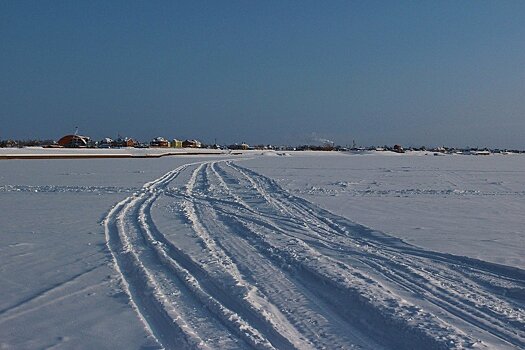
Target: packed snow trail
(214, 255)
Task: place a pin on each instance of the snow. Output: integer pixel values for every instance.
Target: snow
(284, 250)
(465, 205)
(125, 152)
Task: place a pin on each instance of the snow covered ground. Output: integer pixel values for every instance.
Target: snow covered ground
(465, 205)
(125, 152)
(270, 250)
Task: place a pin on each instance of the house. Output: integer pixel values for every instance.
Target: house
(159, 142)
(105, 143)
(74, 141)
(176, 143)
(236, 146)
(191, 144)
(124, 142)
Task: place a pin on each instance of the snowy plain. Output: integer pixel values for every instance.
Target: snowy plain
(263, 250)
(466, 205)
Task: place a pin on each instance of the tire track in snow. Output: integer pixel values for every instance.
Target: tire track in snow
(445, 280)
(238, 297)
(361, 301)
(274, 253)
(313, 316)
(266, 269)
(149, 300)
(153, 269)
(166, 297)
(288, 310)
(302, 310)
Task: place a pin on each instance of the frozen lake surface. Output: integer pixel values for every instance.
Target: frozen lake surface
(299, 250)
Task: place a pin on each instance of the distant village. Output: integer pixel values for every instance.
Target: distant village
(79, 141)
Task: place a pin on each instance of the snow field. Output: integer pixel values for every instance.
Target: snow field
(263, 252)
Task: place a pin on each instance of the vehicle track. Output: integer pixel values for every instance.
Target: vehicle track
(215, 255)
(452, 283)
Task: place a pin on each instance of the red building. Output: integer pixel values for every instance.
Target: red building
(74, 141)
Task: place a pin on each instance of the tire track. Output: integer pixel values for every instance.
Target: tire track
(442, 279)
(215, 255)
(154, 270)
(302, 310)
(226, 283)
(152, 305)
(372, 306)
(165, 302)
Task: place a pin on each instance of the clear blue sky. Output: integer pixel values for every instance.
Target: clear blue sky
(283, 72)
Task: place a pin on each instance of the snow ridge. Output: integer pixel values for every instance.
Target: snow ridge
(251, 266)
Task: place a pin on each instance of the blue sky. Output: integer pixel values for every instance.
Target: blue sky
(282, 72)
